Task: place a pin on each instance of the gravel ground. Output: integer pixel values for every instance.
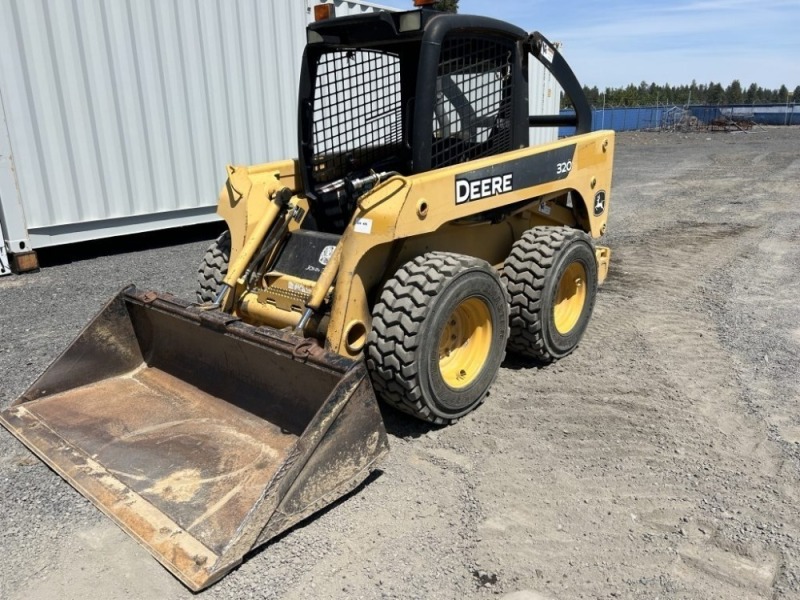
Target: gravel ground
(660, 460)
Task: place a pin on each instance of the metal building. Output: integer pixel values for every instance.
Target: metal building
(119, 116)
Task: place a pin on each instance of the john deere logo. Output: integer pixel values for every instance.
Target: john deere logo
(326, 254)
(467, 191)
(599, 203)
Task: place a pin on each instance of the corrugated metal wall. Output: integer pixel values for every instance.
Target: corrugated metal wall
(120, 115)
(345, 8)
(124, 112)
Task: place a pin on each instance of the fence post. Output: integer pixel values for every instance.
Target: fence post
(603, 117)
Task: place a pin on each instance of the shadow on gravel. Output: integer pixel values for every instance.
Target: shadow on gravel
(372, 477)
(61, 255)
(517, 363)
(401, 425)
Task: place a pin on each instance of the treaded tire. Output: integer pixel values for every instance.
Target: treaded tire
(213, 268)
(532, 274)
(422, 301)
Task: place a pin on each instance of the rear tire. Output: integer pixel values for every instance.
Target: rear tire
(439, 332)
(213, 268)
(551, 277)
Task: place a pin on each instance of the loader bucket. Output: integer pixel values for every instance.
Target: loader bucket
(201, 436)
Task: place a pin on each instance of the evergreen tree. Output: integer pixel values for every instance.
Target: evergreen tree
(752, 91)
(716, 95)
(690, 92)
(647, 94)
(447, 6)
(734, 92)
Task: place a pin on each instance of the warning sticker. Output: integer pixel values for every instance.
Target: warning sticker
(547, 52)
(363, 225)
(544, 208)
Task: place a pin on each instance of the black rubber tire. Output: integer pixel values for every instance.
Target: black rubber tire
(402, 352)
(531, 274)
(213, 268)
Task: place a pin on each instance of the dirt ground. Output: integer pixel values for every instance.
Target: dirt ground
(660, 460)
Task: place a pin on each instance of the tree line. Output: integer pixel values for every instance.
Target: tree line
(646, 94)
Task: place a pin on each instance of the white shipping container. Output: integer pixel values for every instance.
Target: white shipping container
(119, 117)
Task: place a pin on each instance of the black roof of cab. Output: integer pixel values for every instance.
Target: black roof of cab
(382, 27)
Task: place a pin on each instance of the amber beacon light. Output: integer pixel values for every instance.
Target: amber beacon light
(324, 11)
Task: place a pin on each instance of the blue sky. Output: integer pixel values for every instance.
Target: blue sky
(617, 42)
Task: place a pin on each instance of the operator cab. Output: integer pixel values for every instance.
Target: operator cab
(404, 93)
(408, 92)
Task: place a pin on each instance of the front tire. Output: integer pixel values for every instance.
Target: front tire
(439, 332)
(551, 277)
(213, 268)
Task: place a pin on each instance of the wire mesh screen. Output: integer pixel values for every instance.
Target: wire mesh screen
(472, 111)
(357, 111)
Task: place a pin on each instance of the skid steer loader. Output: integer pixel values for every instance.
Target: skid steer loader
(415, 238)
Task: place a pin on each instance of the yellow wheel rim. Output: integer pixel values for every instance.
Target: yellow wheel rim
(570, 298)
(465, 343)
